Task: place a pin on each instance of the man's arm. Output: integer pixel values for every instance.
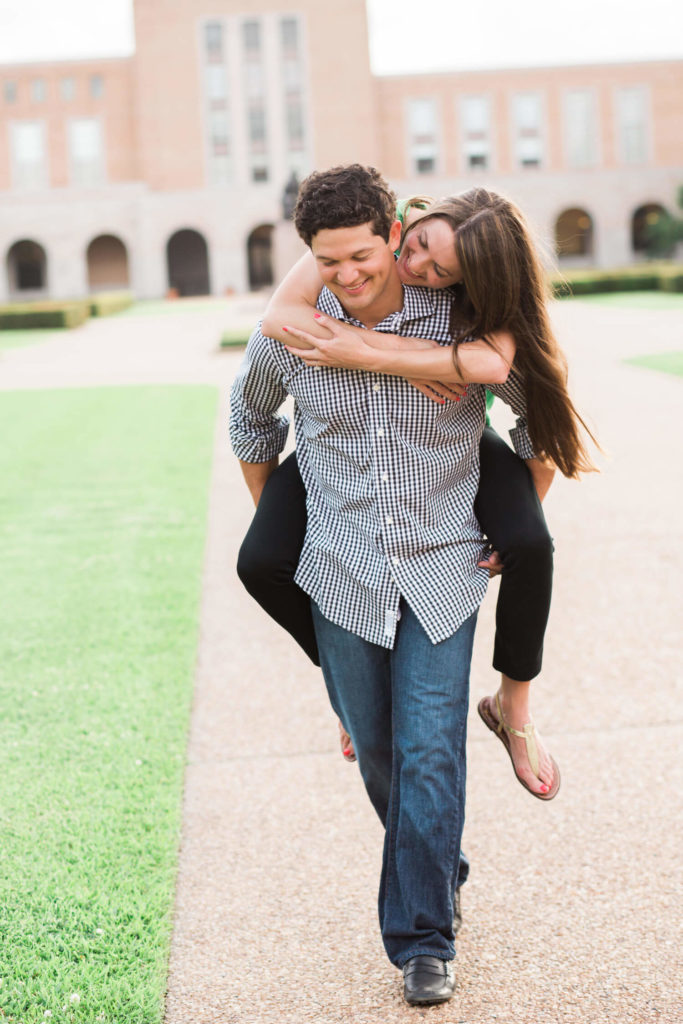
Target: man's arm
(255, 475)
(257, 432)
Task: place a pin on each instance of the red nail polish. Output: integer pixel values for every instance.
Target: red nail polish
(286, 329)
(316, 316)
(545, 789)
(347, 750)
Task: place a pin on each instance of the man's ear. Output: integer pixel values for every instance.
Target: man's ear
(395, 235)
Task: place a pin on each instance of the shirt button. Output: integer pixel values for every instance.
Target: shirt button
(376, 387)
(395, 560)
(385, 477)
(380, 432)
(390, 521)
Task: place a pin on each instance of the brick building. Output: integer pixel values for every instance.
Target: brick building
(167, 169)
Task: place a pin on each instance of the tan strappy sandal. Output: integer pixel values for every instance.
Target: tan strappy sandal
(503, 731)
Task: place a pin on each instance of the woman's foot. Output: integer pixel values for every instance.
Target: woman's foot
(347, 750)
(508, 715)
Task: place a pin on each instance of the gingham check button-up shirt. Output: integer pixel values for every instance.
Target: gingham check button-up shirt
(390, 476)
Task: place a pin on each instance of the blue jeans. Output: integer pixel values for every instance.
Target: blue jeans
(406, 712)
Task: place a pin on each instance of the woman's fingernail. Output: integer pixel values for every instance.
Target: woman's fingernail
(316, 316)
(286, 329)
(347, 750)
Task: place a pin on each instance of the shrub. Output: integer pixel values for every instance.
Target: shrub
(107, 303)
(235, 338)
(43, 314)
(629, 279)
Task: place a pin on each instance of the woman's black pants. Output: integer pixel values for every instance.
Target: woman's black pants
(508, 511)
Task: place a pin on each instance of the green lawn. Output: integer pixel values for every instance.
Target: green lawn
(665, 362)
(153, 307)
(15, 339)
(103, 500)
(635, 300)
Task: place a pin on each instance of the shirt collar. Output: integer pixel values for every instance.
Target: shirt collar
(418, 303)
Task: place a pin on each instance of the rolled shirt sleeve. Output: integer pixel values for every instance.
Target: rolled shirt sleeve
(258, 433)
(512, 393)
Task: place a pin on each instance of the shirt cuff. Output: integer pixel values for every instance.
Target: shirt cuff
(521, 442)
(261, 448)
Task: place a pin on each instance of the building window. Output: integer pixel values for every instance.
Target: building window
(213, 42)
(295, 126)
(632, 125)
(423, 133)
(96, 87)
(219, 141)
(38, 90)
(216, 87)
(527, 122)
(67, 89)
(259, 173)
(289, 35)
(581, 128)
(29, 156)
(10, 91)
(475, 112)
(219, 130)
(86, 151)
(251, 34)
(256, 120)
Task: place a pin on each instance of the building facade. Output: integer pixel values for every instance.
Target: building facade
(165, 171)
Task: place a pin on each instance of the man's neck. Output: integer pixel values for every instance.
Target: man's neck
(391, 301)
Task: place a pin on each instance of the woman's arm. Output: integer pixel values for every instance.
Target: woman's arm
(414, 358)
(294, 301)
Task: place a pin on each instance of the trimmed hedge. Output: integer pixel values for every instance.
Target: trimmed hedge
(43, 314)
(107, 303)
(235, 338)
(665, 278)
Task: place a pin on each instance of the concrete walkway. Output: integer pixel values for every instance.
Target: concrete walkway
(573, 909)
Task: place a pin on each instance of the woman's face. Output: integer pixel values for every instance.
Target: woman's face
(427, 256)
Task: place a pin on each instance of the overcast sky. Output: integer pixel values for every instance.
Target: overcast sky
(448, 35)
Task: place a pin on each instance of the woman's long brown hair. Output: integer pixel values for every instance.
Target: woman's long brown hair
(504, 288)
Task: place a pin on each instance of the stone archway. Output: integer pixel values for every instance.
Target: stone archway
(187, 262)
(260, 257)
(26, 269)
(646, 239)
(574, 233)
(107, 259)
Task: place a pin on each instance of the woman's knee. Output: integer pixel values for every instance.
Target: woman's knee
(533, 548)
(262, 565)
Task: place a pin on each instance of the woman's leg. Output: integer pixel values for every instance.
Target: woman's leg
(510, 515)
(270, 552)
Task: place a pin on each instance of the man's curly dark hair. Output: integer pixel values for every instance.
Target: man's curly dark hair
(344, 197)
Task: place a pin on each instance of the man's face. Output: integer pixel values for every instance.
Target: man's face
(358, 266)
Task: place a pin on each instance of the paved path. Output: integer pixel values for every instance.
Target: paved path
(573, 909)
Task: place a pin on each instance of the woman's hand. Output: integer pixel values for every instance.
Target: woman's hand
(345, 349)
(438, 392)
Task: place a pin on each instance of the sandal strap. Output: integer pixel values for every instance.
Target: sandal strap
(528, 735)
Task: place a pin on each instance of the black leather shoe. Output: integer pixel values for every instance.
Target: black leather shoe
(426, 979)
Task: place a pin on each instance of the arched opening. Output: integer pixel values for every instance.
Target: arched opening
(651, 233)
(574, 234)
(259, 255)
(107, 264)
(187, 260)
(26, 269)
